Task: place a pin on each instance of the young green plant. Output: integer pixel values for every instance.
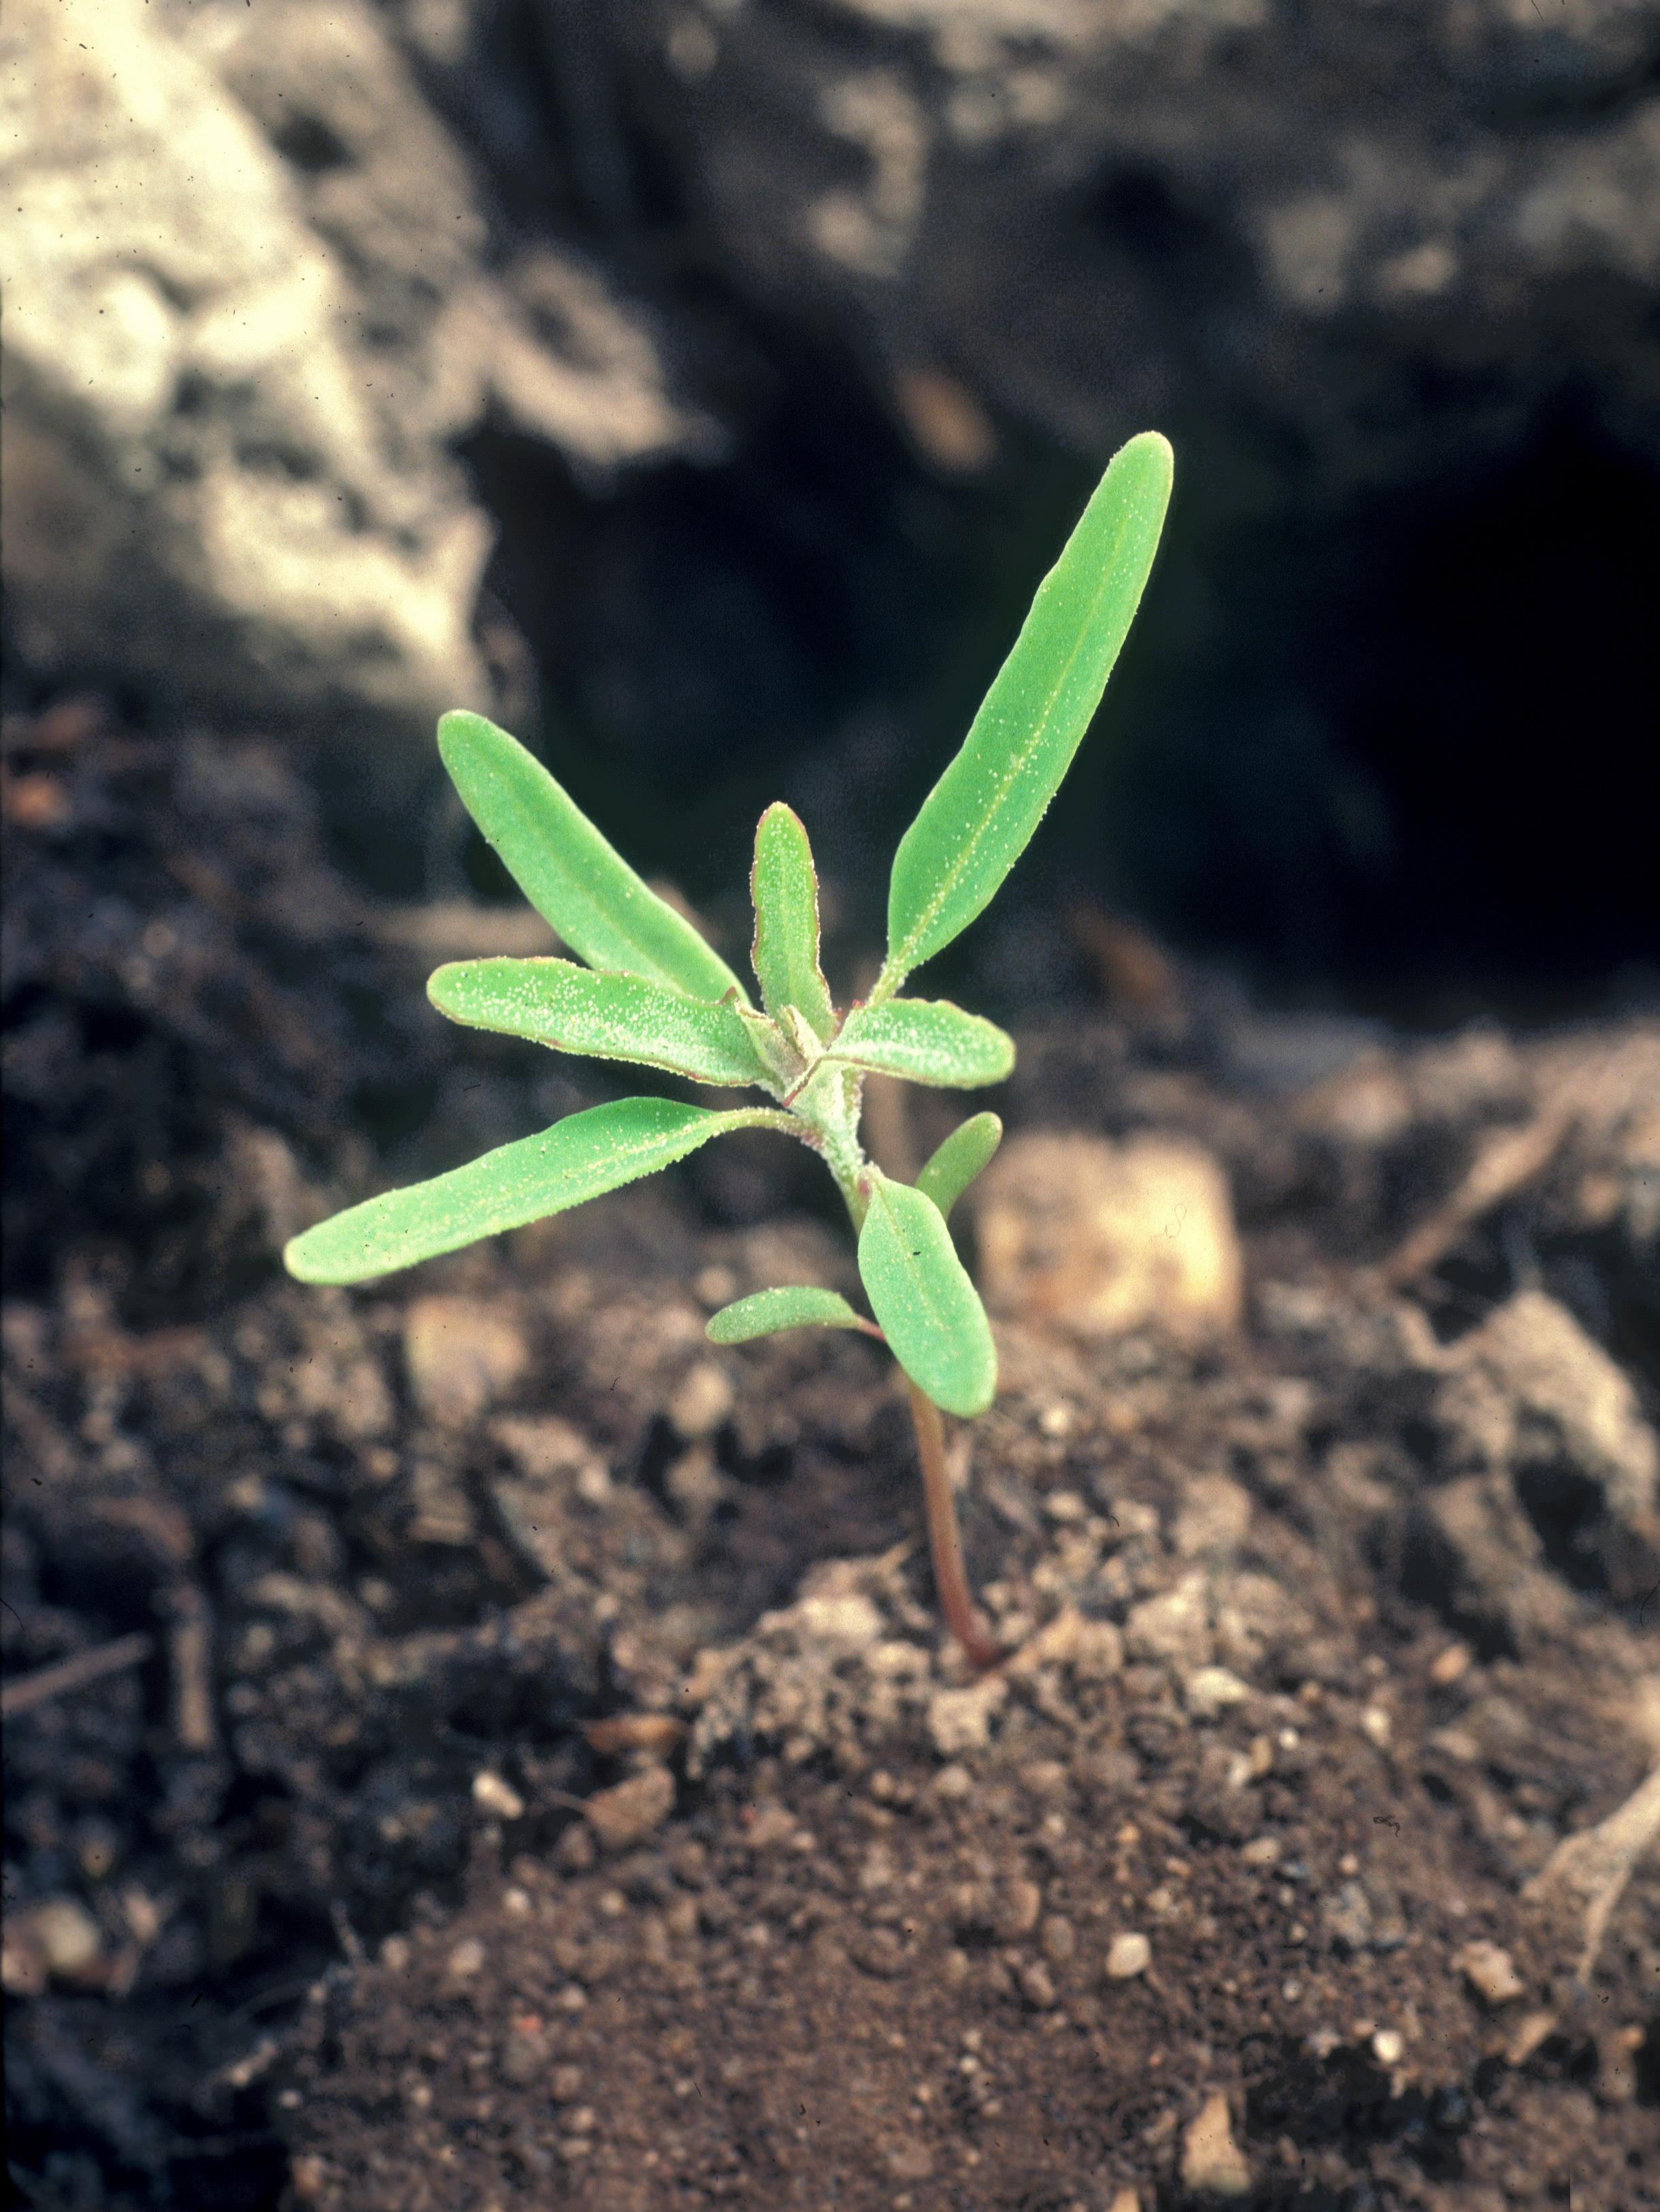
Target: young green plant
(644, 985)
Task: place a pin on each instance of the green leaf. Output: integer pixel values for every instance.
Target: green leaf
(784, 887)
(580, 1157)
(925, 1041)
(979, 818)
(954, 1165)
(607, 1017)
(776, 1052)
(768, 1311)
(919, 1291)
(569, 873)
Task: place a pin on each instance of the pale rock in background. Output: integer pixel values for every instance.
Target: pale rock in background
(253, 297)
(1104, 1238)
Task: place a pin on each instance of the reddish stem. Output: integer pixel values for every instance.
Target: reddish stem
(945, 1540)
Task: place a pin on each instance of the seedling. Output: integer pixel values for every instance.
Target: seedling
(654, 992)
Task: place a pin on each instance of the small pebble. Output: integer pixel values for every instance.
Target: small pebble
(960, 1720)
(630, 1811)
(878, 1951)
(1209, 1692)
(1058, 1939)
(492, 1795)
(68, 1936)
(1127, 1955)
(1037, 1985)
(702, 1401)
(1490, 1973)
(1014, 1913)
(909, 2161)
(465, 1960)
(1346, 1916)
(574, 1852)
(1388, 2046)
(1213, 2164)
(1529, 2031)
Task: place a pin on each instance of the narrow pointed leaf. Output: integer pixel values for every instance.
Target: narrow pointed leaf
(955, 1164)
(580, 1157)
(776, 1052)
(801, 1034)
(919, 1292)
(608, 1016)
(571, 875)
(925, 1041)
(767, 1312)
(980, 817)
(784, 887)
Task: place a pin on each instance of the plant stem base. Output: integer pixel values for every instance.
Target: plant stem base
(945, 1538)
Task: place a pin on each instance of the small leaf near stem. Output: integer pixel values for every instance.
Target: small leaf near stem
(921, 1293)
(925, 1041)
(776, 1052)
(784, 887)
(953, 1166)
(799, 1306)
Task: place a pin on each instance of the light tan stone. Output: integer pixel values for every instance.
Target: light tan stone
(1213, 2164)
(1105, 1238)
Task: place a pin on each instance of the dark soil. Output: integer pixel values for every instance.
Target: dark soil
(542, 1779)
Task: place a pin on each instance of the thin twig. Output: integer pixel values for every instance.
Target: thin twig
(1597, 1089)
(1587, 1872)
(86, 1667)
(945, 1538)
(1506, 1163)
(189, 1645)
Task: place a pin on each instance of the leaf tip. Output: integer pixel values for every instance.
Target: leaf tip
(978, 1401)
(456, 729)
(298, 1258)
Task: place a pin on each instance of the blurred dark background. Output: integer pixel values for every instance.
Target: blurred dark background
(704, 388)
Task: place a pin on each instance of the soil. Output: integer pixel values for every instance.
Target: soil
(528, 1769)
